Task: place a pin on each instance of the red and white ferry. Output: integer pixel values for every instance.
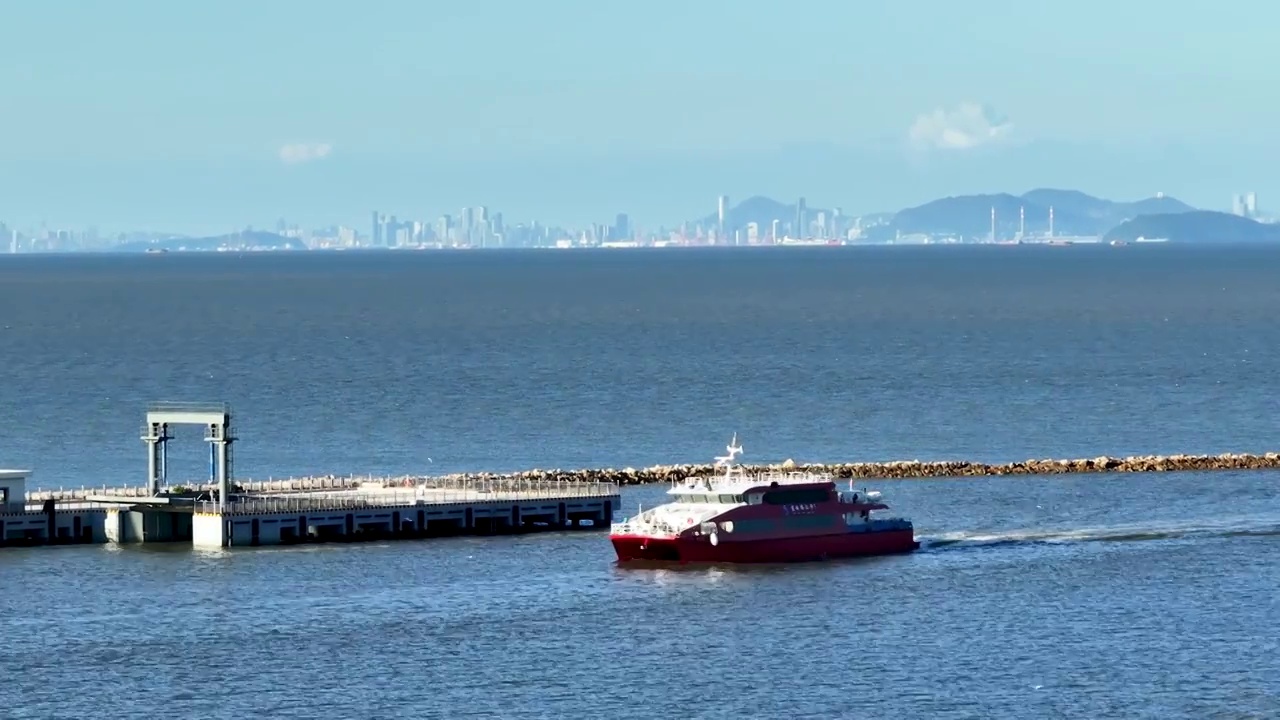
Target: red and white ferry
(769, 517)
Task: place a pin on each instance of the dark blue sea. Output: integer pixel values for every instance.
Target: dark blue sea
(1073, 597)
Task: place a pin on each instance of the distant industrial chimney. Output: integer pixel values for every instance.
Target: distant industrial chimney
(1050, 221)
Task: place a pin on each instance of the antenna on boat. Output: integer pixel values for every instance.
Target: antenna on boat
(734, 450)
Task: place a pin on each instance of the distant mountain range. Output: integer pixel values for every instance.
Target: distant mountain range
(969, 217)
(1074, 213)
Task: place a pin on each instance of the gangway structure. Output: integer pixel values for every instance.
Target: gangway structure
(214, 417)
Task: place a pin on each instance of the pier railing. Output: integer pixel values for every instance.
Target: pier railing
(410, 497)
(192, 407)
(67, 506)
(337, 483)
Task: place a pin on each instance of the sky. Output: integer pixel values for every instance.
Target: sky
(202, 116)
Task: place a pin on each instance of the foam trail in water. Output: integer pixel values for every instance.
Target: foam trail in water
(1234, 527)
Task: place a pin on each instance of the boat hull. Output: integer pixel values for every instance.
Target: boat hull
(696, 549)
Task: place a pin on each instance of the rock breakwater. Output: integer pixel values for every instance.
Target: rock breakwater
(562, 479)
(907, 469)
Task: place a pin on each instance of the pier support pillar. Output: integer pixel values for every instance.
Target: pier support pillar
(210, 530)
(157, 438)
(220, 439)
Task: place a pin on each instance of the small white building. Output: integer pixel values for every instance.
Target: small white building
(53, 523)
(13, 490)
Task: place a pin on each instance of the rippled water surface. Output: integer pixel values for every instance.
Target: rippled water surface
(1093, 597)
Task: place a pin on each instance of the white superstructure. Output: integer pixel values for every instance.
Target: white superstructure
(697, 500)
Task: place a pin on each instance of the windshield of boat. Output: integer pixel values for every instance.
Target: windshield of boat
(725, 499)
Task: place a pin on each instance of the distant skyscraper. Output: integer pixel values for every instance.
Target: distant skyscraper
(622, 227)
(1251, 204)
(375, 231)
(723, 211)
(388, 231)
(801, 228)
(444, 227)
(497, 230)
(466, 224)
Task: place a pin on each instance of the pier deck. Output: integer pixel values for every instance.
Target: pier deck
(369, 513)
(301, 510)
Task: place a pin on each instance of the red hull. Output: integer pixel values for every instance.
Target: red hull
(697, 549)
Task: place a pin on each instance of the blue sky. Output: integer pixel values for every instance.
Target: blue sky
(201, 116)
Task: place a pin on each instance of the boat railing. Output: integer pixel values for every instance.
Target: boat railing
(646, 523)
(712, 483)
(651, 527)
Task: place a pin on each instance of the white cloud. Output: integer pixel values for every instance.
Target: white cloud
(966, 126)
(294, 153)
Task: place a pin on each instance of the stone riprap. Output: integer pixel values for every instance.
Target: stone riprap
(913, 469)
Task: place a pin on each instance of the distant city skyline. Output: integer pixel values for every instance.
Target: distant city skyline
(198, 117)
(757, 220)
(660, 204)
(1240, 203)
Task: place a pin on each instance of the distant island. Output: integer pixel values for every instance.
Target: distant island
(1198, 226)
(1041, 215)
(1041, 212)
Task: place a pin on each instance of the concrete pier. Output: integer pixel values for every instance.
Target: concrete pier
(305, 510)
(228, 513)
(417, 512)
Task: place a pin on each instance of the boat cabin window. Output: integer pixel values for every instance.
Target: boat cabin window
(808, 521)
(800, 496)
(701, 498)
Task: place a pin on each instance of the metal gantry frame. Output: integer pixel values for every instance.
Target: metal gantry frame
(215, 417)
